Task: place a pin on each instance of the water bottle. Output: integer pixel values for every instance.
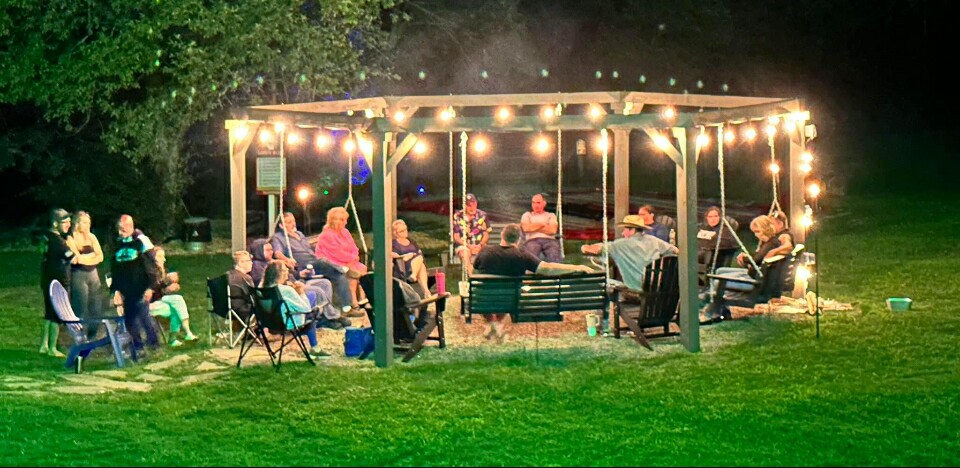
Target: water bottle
(309, 270)
(441, 283)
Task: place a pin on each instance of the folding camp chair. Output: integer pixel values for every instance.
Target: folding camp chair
(223, 317)
(83, 344)
(268, 306)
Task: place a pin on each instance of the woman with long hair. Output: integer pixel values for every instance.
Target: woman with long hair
(295, 303)
(85, 294)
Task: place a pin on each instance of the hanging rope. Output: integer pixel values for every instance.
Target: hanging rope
(560, 190)
(723, 210)
(463, 187)
(450, 207)
(606, 255)
(775, 205)
(286, 237)
(350, 201)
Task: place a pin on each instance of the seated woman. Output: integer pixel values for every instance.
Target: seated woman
(707, 238)
(763, 228)
(411, 266)
(295, 302)
(336, 245)
(167, 303)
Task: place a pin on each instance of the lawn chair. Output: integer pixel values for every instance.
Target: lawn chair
(223, 317)
(83, 344)
(268, 307)
(653, 306)
(412, 323)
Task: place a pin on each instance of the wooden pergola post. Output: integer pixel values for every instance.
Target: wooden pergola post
(382, 248)
(687, 237)
(621, 173)
(240, 136)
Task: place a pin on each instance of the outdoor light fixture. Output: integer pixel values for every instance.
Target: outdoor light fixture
(293, 138)
(602, 144)
(774, 168)
(323, 140)
(806, 221)
(595, 112)
(703, 140)
(806, 157)
(750, 133)
(669, 113)
(548, 112)
(399, 116)
(303, 194)
(813, 190)
(504, 114)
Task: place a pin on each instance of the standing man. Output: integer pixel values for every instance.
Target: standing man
(507, 259)
(634, 251)
(540, 229)
(471, 232)
(653, 228)
(133, 275)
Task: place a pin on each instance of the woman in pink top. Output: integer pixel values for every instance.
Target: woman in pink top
(336, 244)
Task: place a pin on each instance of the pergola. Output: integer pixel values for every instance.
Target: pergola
(384, 120)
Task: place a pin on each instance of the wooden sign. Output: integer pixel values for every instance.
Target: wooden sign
(271, 175)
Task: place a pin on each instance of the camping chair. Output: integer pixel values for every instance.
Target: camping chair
(223, 317)
(653, 306)
(78, 328)
(268, 307)
(412, 323)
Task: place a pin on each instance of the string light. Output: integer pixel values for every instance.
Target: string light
(669, 113)
(774, 168)
(806, 221)
(541, 145)
(504, 114)
(548, 112)
(293, 138)
(303, 194)
(366, 147)
(241, 132)
(750, 133)
(602, 144)
(771, 130)
(702, 139)
(806, 157)
(266, 136)
(805, 168)
(399, 116)
(790, 126)
(595, 113)
(662, 142)
(368, 113)
(480, 144)
(813, 190)
(729, 136)
(774, 120)
(349, 146)
(447, 114)
(420, 148)
(323, 140)
(279, 127)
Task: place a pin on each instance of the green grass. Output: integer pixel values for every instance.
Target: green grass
(877, 388)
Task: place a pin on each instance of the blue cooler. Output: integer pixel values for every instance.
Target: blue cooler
(356, 340)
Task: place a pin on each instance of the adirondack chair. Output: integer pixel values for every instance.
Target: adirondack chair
(268, 307)
(413, 325)
(78, 328)
(653, 306)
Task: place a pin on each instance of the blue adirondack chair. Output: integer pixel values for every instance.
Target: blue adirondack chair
(78, 328)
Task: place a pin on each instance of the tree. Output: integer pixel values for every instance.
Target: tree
(141, 74)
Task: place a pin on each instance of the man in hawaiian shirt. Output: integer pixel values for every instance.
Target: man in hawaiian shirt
(471, 231)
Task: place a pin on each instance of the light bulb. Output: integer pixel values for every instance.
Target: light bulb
(813, 190)
(750, 133)
(806, 157)
(504, 114)
(774, 168)
(729, 136)
(323, 140)
(669, 113)
(420, 148)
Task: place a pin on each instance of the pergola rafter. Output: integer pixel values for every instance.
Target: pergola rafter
(373, 117)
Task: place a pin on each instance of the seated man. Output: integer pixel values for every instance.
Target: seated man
(292, 247)
(540, 228)
(470, 232)
(634, 251)
(241, 284)
(507, 259)
(653, 228)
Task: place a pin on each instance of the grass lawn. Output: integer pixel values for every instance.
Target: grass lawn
(878, 388)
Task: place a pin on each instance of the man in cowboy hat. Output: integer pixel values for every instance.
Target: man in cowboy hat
(634, 251)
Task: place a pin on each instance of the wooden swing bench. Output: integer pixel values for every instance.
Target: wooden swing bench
(534, 298)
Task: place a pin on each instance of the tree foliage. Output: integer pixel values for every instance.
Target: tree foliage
(141, 73)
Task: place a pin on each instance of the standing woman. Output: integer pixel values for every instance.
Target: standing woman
(85, 280)
(55, 265)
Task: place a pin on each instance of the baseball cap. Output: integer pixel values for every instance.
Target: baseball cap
(471, 198)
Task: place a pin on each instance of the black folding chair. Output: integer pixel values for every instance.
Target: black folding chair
(268, 306)
(223, 317)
